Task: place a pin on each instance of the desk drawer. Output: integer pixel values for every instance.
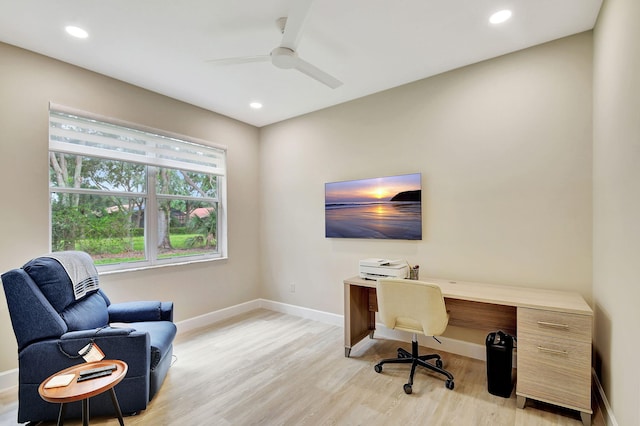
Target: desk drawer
(555, 370)
(554, 324)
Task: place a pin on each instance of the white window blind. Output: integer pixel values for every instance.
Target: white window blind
(73, 133)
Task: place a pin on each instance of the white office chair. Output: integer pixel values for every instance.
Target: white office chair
(416, 307)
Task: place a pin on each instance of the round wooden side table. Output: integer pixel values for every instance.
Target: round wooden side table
(82, 391)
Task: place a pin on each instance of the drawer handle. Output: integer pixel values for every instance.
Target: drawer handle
(552, 351)
(553, 325)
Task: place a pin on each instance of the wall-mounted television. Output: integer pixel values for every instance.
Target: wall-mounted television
(385, 207)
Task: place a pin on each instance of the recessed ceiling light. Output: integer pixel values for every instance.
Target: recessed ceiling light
(76, 31)
(255, 105)
(500, 16)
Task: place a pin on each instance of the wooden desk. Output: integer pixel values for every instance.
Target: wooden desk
(553, 328)
(76, 391)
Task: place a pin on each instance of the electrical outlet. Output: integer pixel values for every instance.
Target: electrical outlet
(292, 287)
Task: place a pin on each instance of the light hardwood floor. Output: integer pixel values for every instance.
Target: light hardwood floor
(268, 368)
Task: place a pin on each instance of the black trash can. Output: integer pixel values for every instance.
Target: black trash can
(499, 363)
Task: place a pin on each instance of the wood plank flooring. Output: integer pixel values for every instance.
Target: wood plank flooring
(268, 368)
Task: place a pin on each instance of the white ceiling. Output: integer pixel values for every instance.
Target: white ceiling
(370, 45)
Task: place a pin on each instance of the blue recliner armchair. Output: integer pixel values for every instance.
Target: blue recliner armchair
(52, 323)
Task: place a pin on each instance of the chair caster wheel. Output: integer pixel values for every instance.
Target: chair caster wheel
(407, 389)
(439, 363)
(378, 368)
(449, 384)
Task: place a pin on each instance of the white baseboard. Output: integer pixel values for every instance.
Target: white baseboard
(226, 313)
(471, 350)
(216, 316)
(603, 402)
(8, 379)
(321, 316)
(459, 347)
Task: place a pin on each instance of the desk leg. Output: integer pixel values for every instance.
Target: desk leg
(359, 319)
(85, 412)
(114, 399)
(61, 413)
(372, 324)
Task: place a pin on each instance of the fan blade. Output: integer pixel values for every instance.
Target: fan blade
(241, 60)
(295, 21)
(316, 73)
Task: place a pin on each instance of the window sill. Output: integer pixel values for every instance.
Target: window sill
(105, 272)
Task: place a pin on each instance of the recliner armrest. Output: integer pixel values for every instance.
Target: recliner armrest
(140, 311)
(97, 332)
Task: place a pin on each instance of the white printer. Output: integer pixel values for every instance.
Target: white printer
(373, 269)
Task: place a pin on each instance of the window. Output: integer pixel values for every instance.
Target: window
(133, 197)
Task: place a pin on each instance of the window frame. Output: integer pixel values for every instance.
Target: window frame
(150, 194)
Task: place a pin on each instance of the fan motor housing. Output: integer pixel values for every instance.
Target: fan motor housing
(283, 57)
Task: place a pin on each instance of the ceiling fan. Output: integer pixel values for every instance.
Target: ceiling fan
(285, 55)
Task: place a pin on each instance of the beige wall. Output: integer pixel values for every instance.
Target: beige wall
(27, 83)
(616, 197)
(505, 152)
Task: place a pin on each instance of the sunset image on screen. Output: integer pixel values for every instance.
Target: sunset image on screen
(387, 207)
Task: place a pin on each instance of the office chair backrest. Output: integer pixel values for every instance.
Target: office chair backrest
(413, 306)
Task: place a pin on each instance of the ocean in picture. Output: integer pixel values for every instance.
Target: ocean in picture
(386, 208)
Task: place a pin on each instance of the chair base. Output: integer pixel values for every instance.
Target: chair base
(413, 358)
